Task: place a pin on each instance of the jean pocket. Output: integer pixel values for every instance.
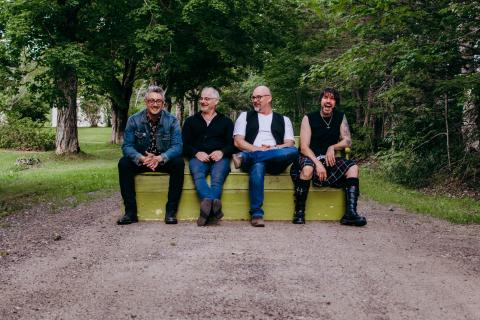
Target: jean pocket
(164, 142)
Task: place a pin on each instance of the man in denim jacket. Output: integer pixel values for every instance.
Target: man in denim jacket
(152, 142)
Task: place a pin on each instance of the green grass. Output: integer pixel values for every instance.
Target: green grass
(60, 180)
(458, 210)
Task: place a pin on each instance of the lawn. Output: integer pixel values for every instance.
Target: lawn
(375, 186)
(60, 180)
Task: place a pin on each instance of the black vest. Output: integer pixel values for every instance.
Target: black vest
(278, 127)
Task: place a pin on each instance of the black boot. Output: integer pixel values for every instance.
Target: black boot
(301, 193)
(351, 217)
(128, 218)
(170, 217)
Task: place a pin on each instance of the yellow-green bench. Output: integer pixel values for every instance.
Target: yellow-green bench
(322, 203)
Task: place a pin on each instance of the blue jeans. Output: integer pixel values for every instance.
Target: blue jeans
(218, 172)
(257, 163)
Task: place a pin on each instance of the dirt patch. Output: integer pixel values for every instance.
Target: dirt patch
(77, 264)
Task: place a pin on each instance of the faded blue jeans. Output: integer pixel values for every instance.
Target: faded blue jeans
(218, 171)
(257, 163)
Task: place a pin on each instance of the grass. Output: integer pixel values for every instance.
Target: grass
(60, 180)
(376, 187)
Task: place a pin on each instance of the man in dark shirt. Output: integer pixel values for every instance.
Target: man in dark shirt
(208, 143)
(321, 134)
(152, 142)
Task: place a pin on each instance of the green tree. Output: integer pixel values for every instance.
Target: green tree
(48, 33)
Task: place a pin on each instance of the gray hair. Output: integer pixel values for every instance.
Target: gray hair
(214, 92)
(156, 89)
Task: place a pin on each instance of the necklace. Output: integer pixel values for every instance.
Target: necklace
(327, 123)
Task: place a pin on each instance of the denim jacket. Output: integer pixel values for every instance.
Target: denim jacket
(136, 138)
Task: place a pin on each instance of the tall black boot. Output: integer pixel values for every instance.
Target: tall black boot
(351, 217)
(301, 193)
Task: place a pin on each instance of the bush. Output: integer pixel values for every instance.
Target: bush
(25, 134)
(408, 168)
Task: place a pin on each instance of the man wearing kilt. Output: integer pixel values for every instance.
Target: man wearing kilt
(321, 134)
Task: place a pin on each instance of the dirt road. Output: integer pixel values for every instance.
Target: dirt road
(78, 264)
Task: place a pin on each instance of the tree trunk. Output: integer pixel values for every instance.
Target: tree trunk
(66, 140)
(191, 108)
(180, 110)
(471, 123)
(471, 106)
(119, 122)
(120, 97)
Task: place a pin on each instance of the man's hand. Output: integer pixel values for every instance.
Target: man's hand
(202, 156)
(321, 171)
(265, 147)
(151, 161)
(330, 156)
(216, 155)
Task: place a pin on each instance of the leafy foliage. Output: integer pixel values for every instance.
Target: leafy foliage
(25, 134)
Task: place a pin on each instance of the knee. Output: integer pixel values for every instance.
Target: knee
(306, 173)
(124, 163)
(353, 171)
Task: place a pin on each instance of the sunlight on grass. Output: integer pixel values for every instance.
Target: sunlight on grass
(80, 177)
(375, 186)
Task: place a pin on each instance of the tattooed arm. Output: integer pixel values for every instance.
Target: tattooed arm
(345, 142)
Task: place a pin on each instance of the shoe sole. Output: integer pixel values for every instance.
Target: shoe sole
(258, 224)
(130, 221)
(353, 223)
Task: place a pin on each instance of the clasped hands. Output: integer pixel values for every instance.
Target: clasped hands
(151, 161)
(205, 157)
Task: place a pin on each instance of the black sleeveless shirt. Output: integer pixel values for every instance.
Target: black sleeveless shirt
(323, 137)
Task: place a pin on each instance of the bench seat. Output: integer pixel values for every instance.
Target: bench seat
(322, 203)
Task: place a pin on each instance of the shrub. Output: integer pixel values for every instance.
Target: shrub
(408, 168)
(26, 134)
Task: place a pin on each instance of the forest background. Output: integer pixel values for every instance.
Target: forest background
(407, 71)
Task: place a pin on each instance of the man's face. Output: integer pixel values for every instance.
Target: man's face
(154, 102)
(261, 100)
(328, 104)
(208, 101)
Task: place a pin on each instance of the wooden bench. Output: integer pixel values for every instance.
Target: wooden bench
(322, 203)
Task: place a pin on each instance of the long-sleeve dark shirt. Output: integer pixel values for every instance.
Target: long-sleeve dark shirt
(197, 136)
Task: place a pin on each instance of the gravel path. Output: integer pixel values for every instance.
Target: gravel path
(77, 264)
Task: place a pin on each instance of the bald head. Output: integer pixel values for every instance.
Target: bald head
(262, 100)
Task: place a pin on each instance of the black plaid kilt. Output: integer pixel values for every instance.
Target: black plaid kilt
(335, 175)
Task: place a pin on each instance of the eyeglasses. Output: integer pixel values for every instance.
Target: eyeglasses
(156, 101)
(259, 97)
(206, 99)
